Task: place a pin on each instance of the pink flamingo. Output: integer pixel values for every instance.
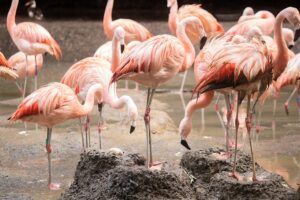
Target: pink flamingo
(201, 67)
(154, 62)
(6, 71)
(90, 71)
(105, 51)
(134, 30)
(247, 14)
(248, 68)
(290, 76)
(51, 105)
(18, 62)
(30, 38)
(263, 19)
(210, 24)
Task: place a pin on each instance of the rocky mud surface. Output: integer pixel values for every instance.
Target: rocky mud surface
(101, 175)
(212, 180)
(203, 175)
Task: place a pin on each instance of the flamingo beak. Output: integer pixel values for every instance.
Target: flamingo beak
(132, 128)
(290, 46)
(122, 42)
(203, 41)
(185, 144)
(297, 34)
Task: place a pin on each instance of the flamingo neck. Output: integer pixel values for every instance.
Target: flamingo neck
(116, 54)
(282, 55)
(90, 98)
(203, 101)
(11, 17)
(107, 20)
(188, 46)
(173, 20)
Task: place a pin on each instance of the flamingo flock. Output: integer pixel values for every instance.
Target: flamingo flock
(248, 60)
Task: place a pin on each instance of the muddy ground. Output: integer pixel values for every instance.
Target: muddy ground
(101, 175)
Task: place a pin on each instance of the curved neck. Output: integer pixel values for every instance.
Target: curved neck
(282, 56)
(108, 17)
(188, 46)
(172, 20)
(116, 54)
(203, 101)
(90, 98)
(11, 17)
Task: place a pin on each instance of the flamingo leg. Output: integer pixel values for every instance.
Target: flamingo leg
(19, 88)
(258, 126)
(150, 94)
(203, 117)
(241, 96)
(52, 186)
(221, 121)
(274, 106)
(228, 116)
(136, 86)
(82, 136)
(286, 104)
(126, 85)
(248, 126)
(86, 130)
(183, 81)
(100, 123)
(25, 81)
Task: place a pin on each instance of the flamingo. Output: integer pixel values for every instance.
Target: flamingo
(6, 71)
(51, 105)
(134, 30)
(209, 23)
(247, 13)
(30, 38)
(290, 76)
(201, 66)
(248, 68)
(90, 71)
(154, 62)
(263, 19)
(18, 62)
(105, 51)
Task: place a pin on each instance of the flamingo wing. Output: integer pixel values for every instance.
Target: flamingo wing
(43, 101)
(34, 33)
(233, 65)
(150, 57)
(134, 30)
(6, 70)
(291, 74)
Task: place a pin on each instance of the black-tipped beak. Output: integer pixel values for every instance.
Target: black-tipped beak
(297, 35)
(290, 46)
(122, 48)
(132, 128)
(185, 144)
(203, 41)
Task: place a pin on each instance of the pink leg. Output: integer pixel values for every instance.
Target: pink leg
(51, 186)
(286, 104)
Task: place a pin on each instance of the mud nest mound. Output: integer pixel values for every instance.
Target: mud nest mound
(101, 175)
(212, 180)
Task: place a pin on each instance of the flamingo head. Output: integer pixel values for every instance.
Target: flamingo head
(185, 128)
(288, 35)
(293, 16)
(248, 11)
(196, 24)
(119, 34)
(255, 32)
(170, 3)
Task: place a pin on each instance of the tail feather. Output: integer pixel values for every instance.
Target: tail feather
(56, 51)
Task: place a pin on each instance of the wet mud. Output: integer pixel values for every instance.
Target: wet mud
(213, 180)
(101, 175)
